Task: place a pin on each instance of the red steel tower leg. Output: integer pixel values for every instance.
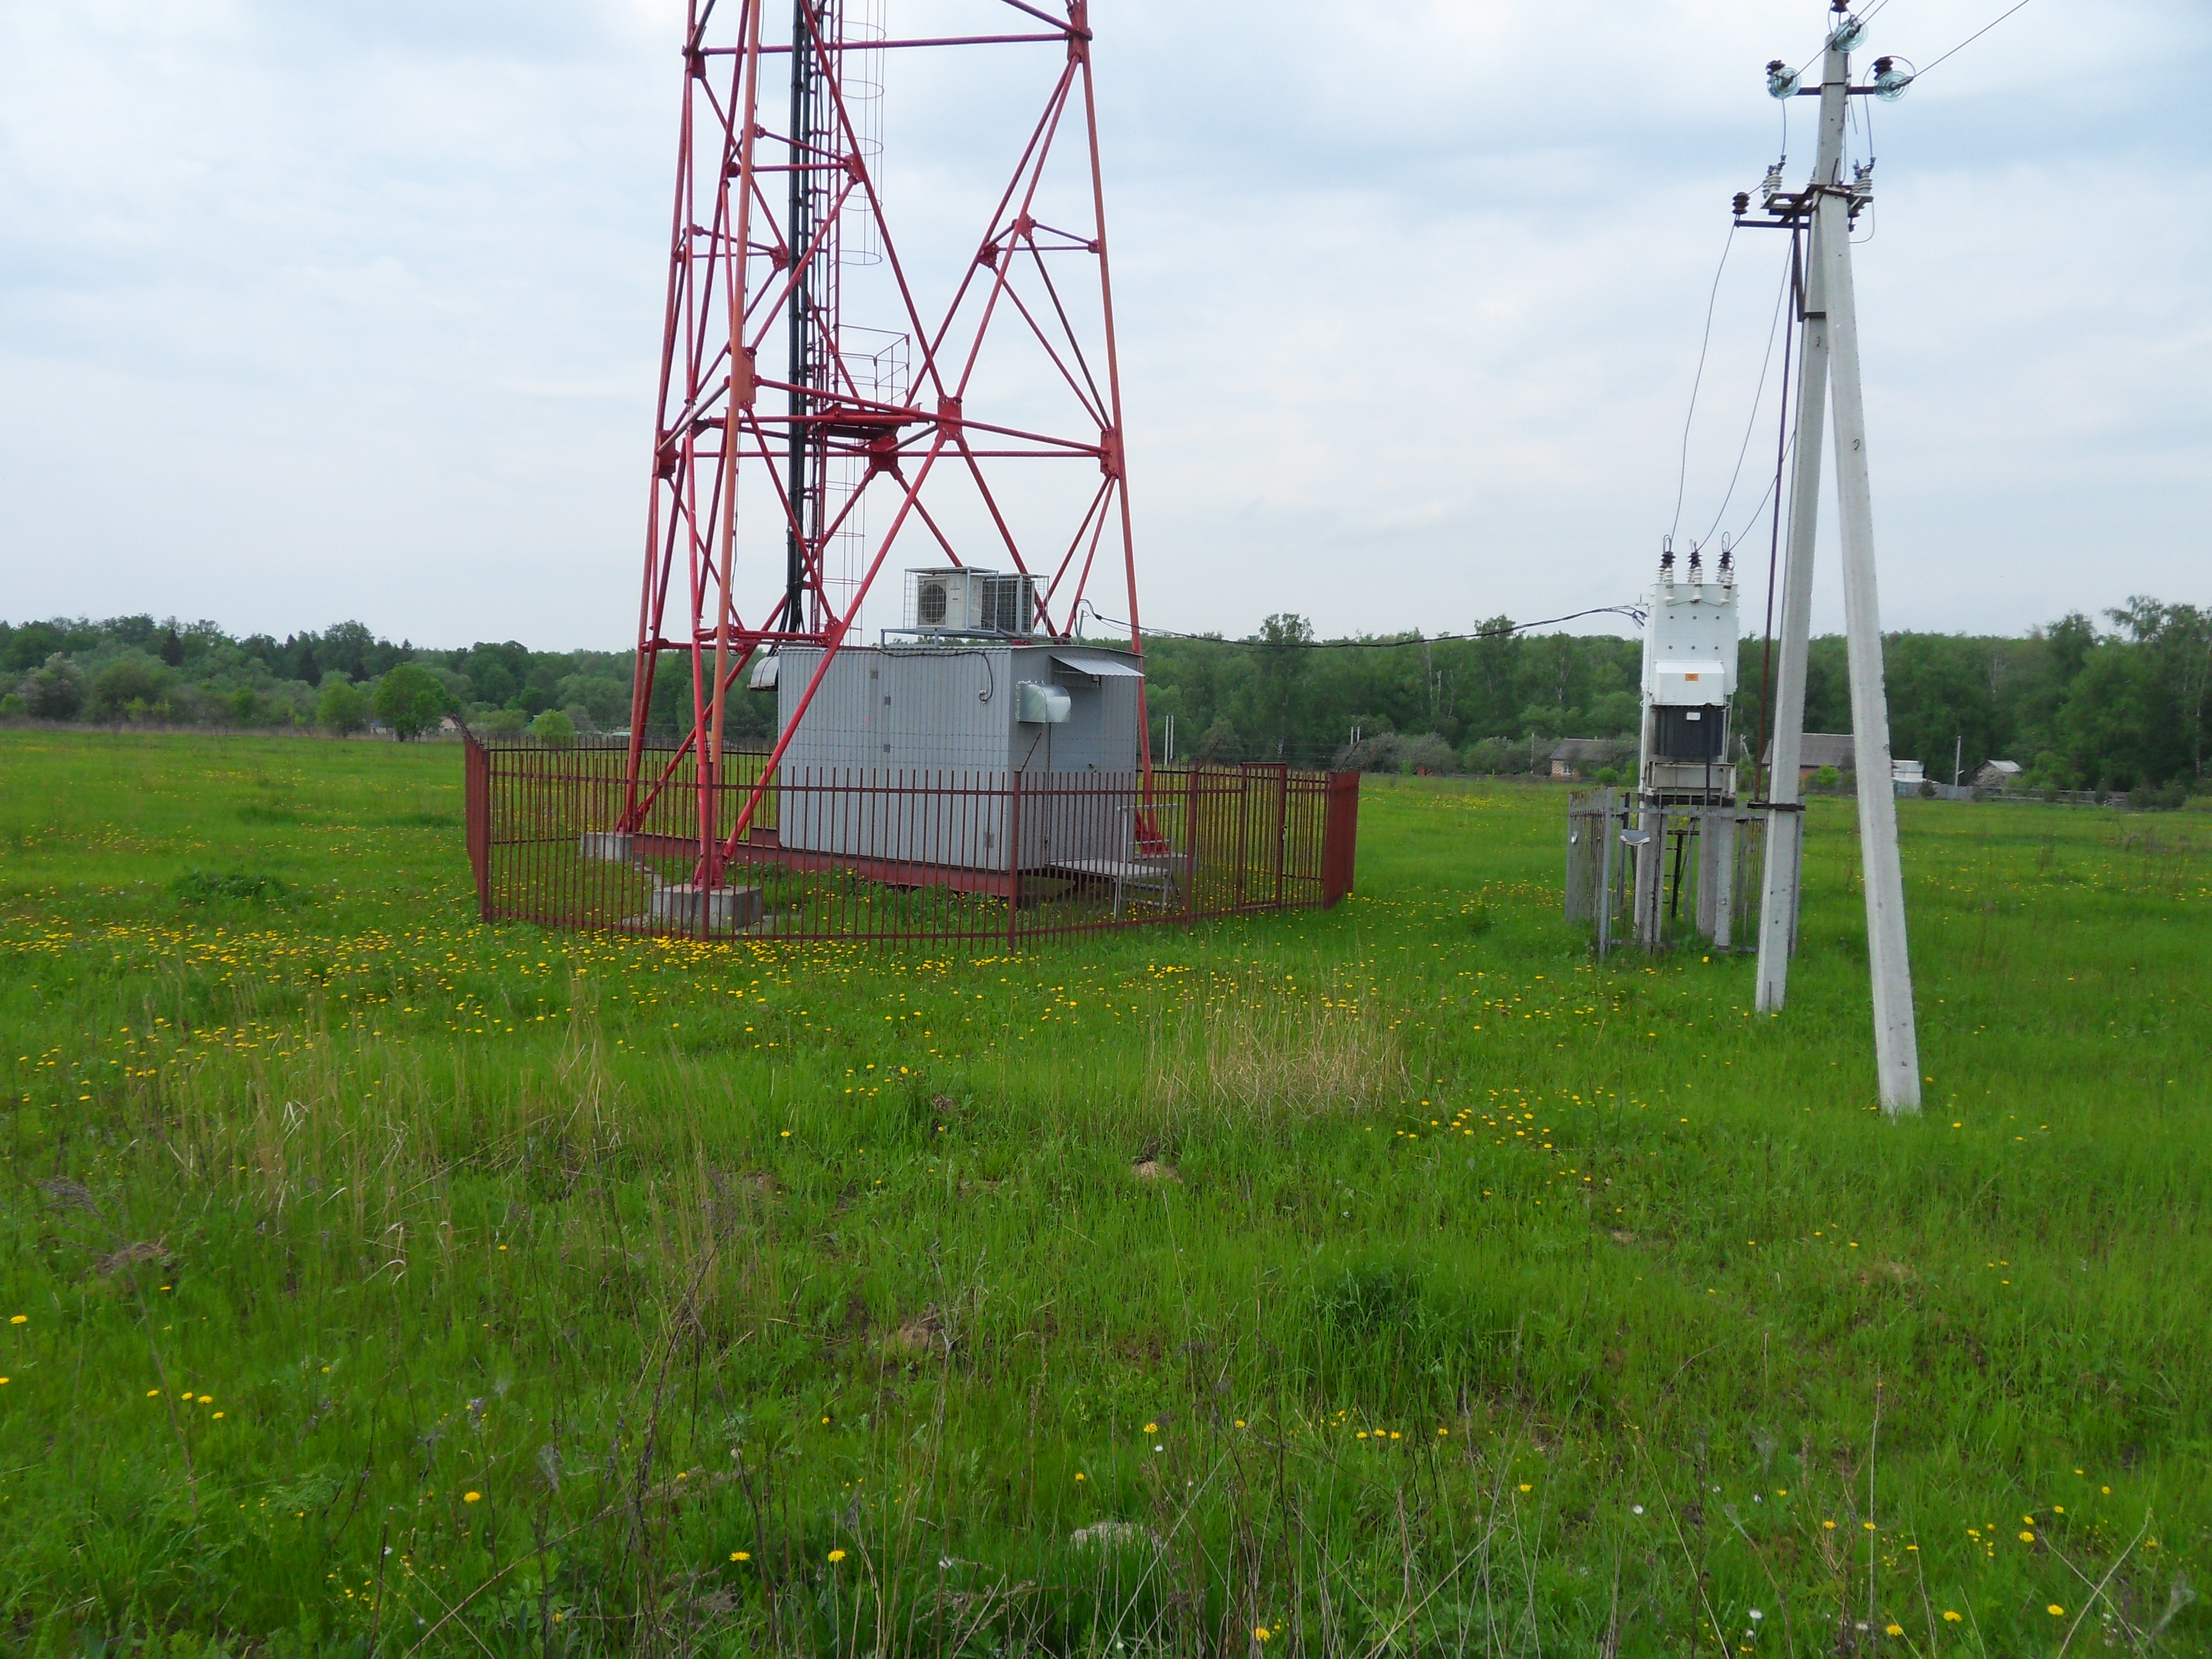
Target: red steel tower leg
(821, 399)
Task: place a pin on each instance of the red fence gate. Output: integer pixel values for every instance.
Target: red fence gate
(838, 854)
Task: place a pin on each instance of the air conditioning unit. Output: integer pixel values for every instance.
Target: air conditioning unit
(960, 601)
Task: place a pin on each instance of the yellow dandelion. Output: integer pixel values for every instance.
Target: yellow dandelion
(1151, 1428)
(471, 1497)
(2055, 1611)
(1261, 1632)
(837, 1555)
(1830, 1525)
(1078, 1474)
(2027, 1538)
(20, 1319)
(1525, 1486)
(1893, 1630)
(1951, 1618)
(741, 1555)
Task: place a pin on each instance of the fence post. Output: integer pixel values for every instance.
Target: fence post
(1340, 837)
(476, 812)
(1190, 844)
(1282, 829)
(1014, 864)
(1605, 873)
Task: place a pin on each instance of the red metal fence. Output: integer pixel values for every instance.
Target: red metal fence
(884, 854)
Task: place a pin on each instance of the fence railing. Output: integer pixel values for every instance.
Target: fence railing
(560, 836)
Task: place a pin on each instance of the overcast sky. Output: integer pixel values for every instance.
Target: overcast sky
(310, 312)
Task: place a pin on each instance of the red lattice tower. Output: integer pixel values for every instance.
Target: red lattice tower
(826, 403)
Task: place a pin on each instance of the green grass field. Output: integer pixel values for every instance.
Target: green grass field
(1385, 1281)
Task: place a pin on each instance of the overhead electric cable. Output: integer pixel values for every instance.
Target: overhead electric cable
(1682, 479)
(1975, 36)
(1633, 612)
(1757, 396)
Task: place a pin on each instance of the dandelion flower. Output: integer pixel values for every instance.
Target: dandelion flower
(1261, 1632)
(741, 1555)
(1526, 1488)
(1893, 1630)
(21, 1319)
(1830, 1525)
(471, 1497)
(837, 1555)
(2055, 1611)
(1949, 1617)
(2027, 1538)
(1078, 1474)
(1151, 1428)
(153, 1393)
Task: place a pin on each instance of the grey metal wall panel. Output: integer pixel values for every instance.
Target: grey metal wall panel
(931, 721)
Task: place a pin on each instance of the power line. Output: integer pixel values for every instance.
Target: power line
(1633, 612)
(1971, 39)
(1682, 479)
(1750, 421)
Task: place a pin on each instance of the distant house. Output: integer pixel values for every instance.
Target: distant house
(1577, 757)
(1907, 771)
(1817, 749)
(1997, 774)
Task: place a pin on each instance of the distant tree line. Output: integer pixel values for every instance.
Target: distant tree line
(135, 670)
(2076, 704)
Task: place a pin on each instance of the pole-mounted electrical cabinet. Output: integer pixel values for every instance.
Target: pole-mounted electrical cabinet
(1689, 681)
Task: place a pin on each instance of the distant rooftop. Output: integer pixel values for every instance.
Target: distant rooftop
(1819, 749)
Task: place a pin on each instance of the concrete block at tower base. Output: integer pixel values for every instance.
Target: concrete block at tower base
(724, 910)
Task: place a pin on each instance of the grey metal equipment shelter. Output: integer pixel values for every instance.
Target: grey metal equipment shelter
(930, 715)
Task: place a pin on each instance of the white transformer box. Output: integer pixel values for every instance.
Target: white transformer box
(1689, 679)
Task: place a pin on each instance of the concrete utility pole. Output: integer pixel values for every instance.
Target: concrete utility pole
(1831, 324)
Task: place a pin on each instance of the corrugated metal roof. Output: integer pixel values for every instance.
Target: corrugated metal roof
(1821, 749)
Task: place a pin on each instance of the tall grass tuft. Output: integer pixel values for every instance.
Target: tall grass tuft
(1253, 1054)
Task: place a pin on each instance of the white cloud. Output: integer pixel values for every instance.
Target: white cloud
(307, 314)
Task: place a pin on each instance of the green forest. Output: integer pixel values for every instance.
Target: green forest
(2116, 704)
